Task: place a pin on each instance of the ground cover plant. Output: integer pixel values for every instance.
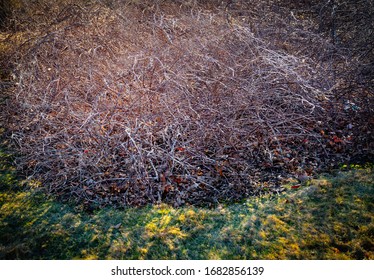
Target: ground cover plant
(136, 102)
(331, 217)
(186, 129)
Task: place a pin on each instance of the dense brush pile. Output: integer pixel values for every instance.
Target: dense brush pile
(136, 102)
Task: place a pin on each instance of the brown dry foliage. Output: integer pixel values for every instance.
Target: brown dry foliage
(127, 103)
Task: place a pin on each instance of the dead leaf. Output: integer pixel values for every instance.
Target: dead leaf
(117, 226)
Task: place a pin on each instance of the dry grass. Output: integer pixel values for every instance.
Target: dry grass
(133, 103)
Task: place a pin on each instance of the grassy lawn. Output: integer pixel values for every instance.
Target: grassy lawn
(329, 218)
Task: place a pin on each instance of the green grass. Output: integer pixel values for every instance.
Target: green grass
(329, 218)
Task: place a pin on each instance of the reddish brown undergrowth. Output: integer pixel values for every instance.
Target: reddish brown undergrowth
(129, 103)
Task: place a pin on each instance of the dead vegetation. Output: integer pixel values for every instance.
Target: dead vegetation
(135, 102)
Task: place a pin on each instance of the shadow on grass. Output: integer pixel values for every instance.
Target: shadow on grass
(329, 218)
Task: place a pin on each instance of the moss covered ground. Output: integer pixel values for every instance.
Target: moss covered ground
(330, 217)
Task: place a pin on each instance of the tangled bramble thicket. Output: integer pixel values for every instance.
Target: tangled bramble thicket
(136, 102)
